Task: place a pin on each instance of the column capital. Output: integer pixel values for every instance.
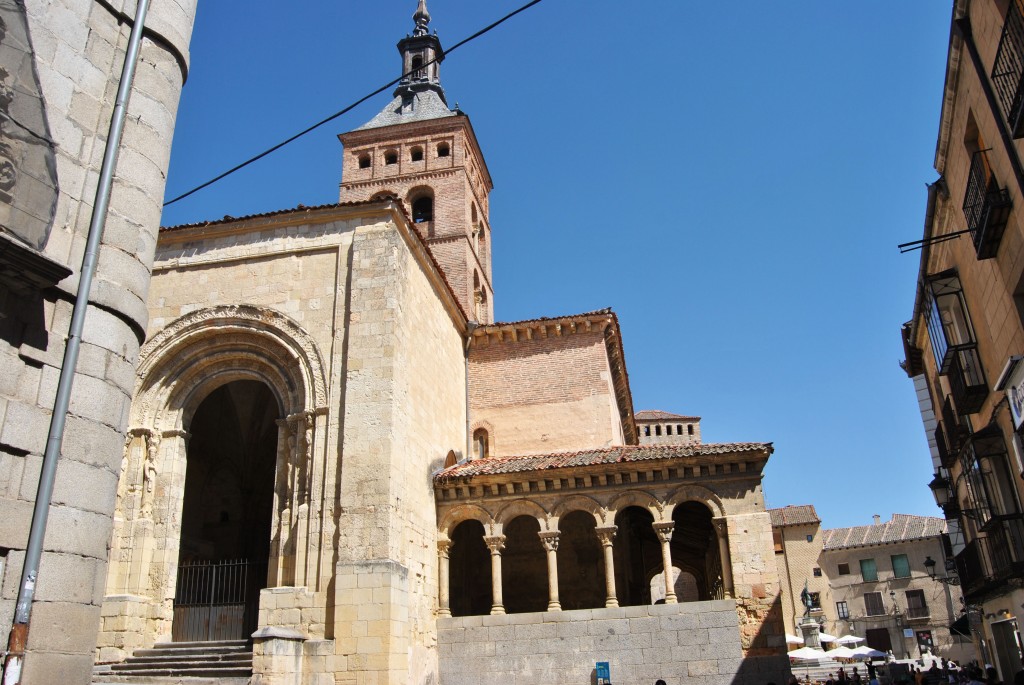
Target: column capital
(606, 534)
(664, 530)
(549, 538)
(495, 543)
(443, 546)
(721, 524)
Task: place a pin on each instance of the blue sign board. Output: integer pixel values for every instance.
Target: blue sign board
(603, 673)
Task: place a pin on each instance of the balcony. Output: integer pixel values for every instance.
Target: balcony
(1008, 70)
(986, 207)
(987, 563)
(966, 380)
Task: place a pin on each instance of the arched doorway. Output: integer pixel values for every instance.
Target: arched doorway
(226, 513)
(695, 551)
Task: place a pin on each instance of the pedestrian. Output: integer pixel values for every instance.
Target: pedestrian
(855, 678)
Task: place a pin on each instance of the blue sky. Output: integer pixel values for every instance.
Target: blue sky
(732, 178)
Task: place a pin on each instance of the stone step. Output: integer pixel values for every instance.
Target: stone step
(107, 679)
(136, 661)
(179, 671)
(187, 652)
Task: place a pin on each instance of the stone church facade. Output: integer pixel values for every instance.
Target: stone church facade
(393, 487)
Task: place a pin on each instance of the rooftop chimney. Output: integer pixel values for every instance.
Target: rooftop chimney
(878, 519)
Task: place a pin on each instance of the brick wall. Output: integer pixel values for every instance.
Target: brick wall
(546, 394)
(697, 643)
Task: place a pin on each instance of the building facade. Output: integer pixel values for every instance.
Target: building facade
(966, 336)
(883, 582)
(335, 450)
(60, 64)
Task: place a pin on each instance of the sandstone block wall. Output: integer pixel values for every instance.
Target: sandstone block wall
(518, 392)
(78, 53)
(697, 643)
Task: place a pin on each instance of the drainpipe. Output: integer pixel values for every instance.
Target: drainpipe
(18, 639)
(470, 327)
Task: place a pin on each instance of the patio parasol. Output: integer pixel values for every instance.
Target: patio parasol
(806, 653)
(865, 652)
(825, 637)
(841, 652)
(849, 640)
(793, 640)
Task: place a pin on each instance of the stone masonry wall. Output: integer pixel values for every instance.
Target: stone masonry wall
(518, 391)
(78, 52)
(697, 643)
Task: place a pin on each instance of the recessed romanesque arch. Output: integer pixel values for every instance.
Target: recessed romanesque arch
(209, 347)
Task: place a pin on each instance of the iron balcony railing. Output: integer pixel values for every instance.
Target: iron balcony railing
(986, 207)
(953, 431)
(967, 380)
(1008, 70)
(987, 563)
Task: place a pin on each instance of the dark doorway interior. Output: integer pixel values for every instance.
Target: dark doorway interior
(226, 514)
(637, 556)
(469, 571)
(879, 638)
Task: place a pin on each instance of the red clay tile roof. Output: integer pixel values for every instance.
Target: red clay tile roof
(483, 328)
(900, 528)
(658, 415)
(606, 455)
(794, 515)
(291, 210)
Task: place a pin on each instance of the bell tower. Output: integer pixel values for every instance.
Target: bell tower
(426, 154)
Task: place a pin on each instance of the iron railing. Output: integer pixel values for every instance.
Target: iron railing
(217, 600)
(987, 563)
(917, 612)
(967, 380)
(1008, 70)
(986, 206)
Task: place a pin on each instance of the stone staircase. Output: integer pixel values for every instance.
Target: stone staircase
(226, 662)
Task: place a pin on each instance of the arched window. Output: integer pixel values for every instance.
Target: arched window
(390, 157)
(481, 445)
(417, 66)
(423, 209)
(364, 161)
(417, 154)
(443, 149)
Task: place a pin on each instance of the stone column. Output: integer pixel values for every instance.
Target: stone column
(550, 541)
(664, 532)
(724, 558)
(443, 546)
(606, 536)
(496, 543)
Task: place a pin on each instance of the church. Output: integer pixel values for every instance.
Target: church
(340, 469)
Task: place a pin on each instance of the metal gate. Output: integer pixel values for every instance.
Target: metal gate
(217, 600)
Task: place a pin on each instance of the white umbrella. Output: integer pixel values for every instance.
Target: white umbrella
(849, 640)
(825, 637)
(867, 653)
(840, 652)
(806, 653)
(793, 640)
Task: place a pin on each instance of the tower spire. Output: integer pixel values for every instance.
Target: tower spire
(422, 18)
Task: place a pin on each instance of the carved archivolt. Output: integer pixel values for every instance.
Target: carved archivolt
(638, 498)
(582, 503)
(209, 347)
(523, 507)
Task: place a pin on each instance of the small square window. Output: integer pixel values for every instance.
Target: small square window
(817, 572)
(810, 538)
(844, 569)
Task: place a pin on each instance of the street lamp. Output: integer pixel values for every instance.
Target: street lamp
(951, 579)
(940, 489)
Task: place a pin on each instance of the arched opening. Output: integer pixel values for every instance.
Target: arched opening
(443, 149)
(226, 513)
(391, 157)
(524, 567)
(416, 154)
(481, 444)
(684, 584)
(695, 549)
(417, 66)
(580, 563)
(364, 161)
(423, 209)
(469, 570)
(637, 556)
